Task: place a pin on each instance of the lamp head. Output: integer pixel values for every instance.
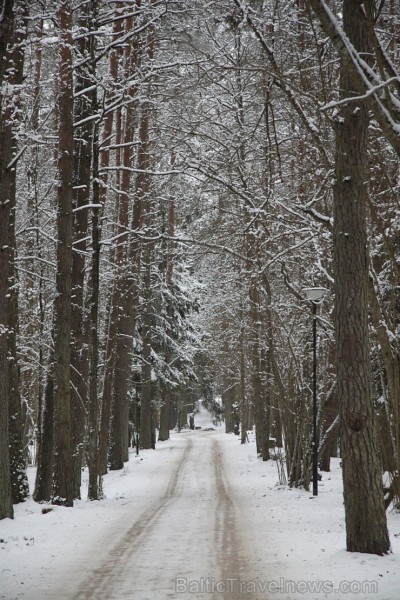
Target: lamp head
(315, 294)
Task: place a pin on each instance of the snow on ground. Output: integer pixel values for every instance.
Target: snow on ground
(36, 548)
(301, 539)
(293, 540)
(204, 419)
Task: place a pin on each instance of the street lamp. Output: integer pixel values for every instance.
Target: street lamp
(315, 295)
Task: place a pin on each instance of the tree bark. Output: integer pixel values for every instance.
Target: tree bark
(114, 297)
(44, 459)
(6, 37)
(261, 411)
(166, 391)
(243, 400)
(366, 527)
(93, 457)
(32, 378)
(93, 404)
(228, 399)
(82, 178)
(126, 285)
(163, 433)
(143, 194)
(146, 412)
(19, 480)
(62, 484)
(391, 362)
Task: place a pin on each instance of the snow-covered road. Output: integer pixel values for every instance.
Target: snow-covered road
(187, 542)
(198, 518)
(170, 528)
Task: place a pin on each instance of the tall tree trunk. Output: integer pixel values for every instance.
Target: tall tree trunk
(166, 391)
(62, 484)
(143, 201)
(146, 410)
(366, 527)
(6, 37)
(45, 449)
(93, 457)
(114, 298)
(19, 480)
(391, 361)
(93, 404)
(261, 411)
(108, 382)
(44, 459)
(32, 378)
(165, 416)
(82, 176)
(125, 286)
(228, 399)
(243, 401)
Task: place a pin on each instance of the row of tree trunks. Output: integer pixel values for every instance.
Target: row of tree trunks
(129, 289)
(54, 459)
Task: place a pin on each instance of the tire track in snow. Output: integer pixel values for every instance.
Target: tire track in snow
(225, 533)
(104, 579)
(229, 540)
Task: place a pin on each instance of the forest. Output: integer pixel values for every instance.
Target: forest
(173, 175)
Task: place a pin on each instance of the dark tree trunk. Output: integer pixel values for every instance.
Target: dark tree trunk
(366, 526)
(228, 399)
(165, 412)
(93, 458)
(243, 402)
(44, 472)
(114, 299)
(163, 433)
(265, 403)
(104, 159)
(390, 432)
(93, 404)
(126, 283)
(261, 411)
(329, 436)
(62, 484)
(82, 177)
(19, 480)
(107, 383)
(6, 37)
(6, 509)
(146, 411)
(32, 377)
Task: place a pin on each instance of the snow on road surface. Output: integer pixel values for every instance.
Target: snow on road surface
(184, 541)
(199, 517)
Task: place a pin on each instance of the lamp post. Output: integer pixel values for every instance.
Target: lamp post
(315, 295)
